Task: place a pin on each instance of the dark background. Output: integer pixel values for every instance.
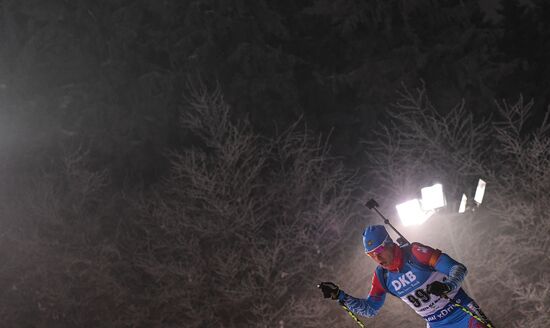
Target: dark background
(111, 75)
(91, 98)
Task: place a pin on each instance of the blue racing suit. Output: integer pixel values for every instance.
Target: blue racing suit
(415, 267)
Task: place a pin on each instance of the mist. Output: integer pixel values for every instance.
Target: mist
(201, 164)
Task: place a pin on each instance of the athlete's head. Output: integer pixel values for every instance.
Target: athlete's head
(378, 244)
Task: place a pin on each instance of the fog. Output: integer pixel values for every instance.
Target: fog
(202, 163)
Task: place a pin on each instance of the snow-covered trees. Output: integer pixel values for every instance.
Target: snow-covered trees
(505, 243)
(107, 77)
(238, 234)
(244, 226)
(58, 260)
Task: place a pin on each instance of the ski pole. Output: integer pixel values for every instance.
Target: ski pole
(465, 309)
(482, 314)
(373, 205)
(359, 322)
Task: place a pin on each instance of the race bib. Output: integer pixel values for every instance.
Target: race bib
(424, 303)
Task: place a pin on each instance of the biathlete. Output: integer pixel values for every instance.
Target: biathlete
(425, 278)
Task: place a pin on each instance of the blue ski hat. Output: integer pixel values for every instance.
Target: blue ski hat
(375, 236)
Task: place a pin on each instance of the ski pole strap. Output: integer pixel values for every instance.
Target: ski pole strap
(465, 309)
(359, 322)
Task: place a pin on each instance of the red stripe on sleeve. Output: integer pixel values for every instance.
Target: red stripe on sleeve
(376, 288)
(425, 254)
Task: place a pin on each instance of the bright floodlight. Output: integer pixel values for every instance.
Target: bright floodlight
(480, 191)
(411, 213)
(432, 197)
(462, 207)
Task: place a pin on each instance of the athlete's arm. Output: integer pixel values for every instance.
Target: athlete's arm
(442, 263)
(455, 270)
(369, 306)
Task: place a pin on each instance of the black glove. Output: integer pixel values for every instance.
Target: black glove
(438, 288)
(329, 290)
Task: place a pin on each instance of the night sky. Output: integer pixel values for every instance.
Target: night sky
(205, 163)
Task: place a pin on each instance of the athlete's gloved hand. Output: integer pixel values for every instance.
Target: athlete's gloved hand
(329, 290)
(438, 288)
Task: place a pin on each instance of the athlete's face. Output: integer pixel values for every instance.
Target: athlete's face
(384, 257)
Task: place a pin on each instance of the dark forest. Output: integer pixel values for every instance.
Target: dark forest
(205, 163)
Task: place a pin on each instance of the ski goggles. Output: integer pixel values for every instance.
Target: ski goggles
(377, 250)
